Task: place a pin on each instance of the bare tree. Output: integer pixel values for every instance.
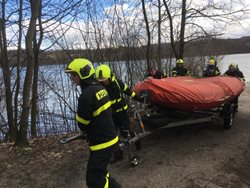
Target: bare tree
(4, 62)
(191, 28)
(34, 38)
(18, 66)
(36, 49)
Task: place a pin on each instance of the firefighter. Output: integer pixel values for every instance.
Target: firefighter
(94, 119)
(179, 69)
(152, 72)
(116, 88)
(211, 69)
(234, 71)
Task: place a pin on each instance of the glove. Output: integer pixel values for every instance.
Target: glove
(138, 98)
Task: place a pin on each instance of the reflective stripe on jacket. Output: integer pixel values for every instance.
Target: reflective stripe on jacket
(94, 116)
(116, 89)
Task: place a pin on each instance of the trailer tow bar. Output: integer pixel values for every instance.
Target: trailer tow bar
(71, 138)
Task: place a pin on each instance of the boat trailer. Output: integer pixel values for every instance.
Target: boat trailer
(148, 121)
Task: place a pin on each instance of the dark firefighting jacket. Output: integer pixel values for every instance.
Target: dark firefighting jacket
(180, 71)
(94, 115)
(236, 73)
(115, 89)
(211, 71)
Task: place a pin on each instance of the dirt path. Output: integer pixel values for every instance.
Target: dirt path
(192, 156)
(195, 156)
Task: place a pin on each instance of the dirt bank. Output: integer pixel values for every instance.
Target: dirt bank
(204, 155)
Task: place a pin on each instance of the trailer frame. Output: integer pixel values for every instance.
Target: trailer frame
(225, 111)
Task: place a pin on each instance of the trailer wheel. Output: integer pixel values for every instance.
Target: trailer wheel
(229, 116)
(155, 121)
(134, 160)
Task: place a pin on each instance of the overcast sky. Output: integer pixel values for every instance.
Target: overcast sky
(237, 31)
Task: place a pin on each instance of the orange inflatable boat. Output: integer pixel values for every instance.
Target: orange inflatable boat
(191, 94)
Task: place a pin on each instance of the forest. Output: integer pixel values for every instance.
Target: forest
(214, 46)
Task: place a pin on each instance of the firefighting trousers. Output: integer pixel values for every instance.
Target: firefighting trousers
(122, 122)
(97, 175)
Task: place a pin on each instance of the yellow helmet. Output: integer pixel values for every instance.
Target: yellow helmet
(233, 65)
(211, 62)
(179, 61)
(82, 67)
(103, 72)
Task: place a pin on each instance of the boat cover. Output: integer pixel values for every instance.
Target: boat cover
(191, 94)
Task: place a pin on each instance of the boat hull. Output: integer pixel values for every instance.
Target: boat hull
(191, 94)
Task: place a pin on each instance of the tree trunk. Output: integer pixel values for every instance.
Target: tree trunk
(18, 77)
(34, 109)
(159, 37)
(22, 133)
(182, 32)
(148, 52)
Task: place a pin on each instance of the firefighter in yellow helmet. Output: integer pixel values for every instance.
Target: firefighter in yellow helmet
(179, 69)
(116, 88)
(94, 119)
(211, 69)
(234, 71)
